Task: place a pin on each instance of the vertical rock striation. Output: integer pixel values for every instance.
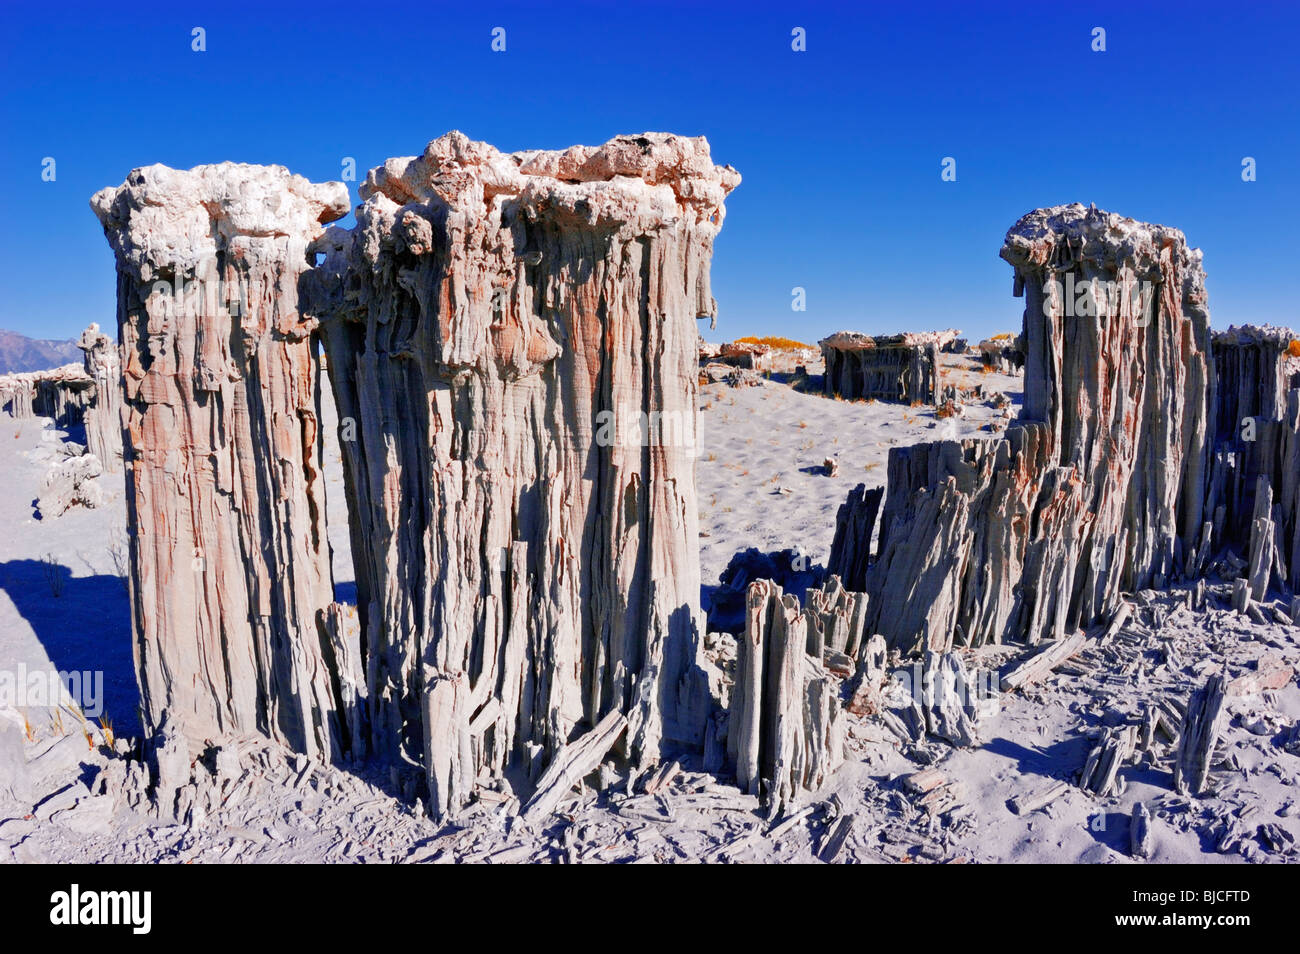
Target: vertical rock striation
(959, 563)
(1122, 375)
(230, 574)
(784, 728)
(61, 394)
(511, 340)
(902, 367)
(1101, 485)
(855, 532)
(1256, 371)
(103, 415)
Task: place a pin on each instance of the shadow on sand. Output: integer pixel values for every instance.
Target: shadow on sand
(86, 627)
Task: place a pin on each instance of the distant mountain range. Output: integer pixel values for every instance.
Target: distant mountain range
(20, 353)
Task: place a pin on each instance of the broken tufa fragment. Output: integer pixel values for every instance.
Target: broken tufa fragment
(785, 734)
(1140, 838)
(1040, 665)
(1198, 736)
(1114, 749)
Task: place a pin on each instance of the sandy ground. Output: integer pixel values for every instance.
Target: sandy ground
(759, 472)
(281, 807)
(63, 595)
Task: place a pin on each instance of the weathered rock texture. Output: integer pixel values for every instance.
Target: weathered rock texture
(901, 367)
(955, 562)
(512, 344)
(1198, 736)
(746, 354)
(59, 393)
(855, 529)
(69, 483)
(230, 574)
(1003, 354)
(1253, 500)
(1285, 481)
(784, 731)
(103, 414)
(1099, 487)
(789, 569)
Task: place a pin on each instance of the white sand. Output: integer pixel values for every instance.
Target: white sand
(758, 439)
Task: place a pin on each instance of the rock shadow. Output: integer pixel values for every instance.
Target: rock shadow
(84, 625)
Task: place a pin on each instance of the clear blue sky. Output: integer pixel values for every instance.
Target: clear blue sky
(840, 146)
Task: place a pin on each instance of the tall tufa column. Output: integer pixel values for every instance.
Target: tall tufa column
(512, 343)
(1099, 488)
(103, 417)
(230, 574)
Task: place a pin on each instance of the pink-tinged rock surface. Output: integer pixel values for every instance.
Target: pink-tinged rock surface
(229, 564)
(512, 343)
(1101, 487)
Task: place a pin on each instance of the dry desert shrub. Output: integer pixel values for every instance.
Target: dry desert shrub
(53, 574)
(776, 343)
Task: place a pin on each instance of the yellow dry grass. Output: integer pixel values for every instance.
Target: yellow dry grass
(775, 342)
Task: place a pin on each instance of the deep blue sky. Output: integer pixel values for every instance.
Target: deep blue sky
(840, 146)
